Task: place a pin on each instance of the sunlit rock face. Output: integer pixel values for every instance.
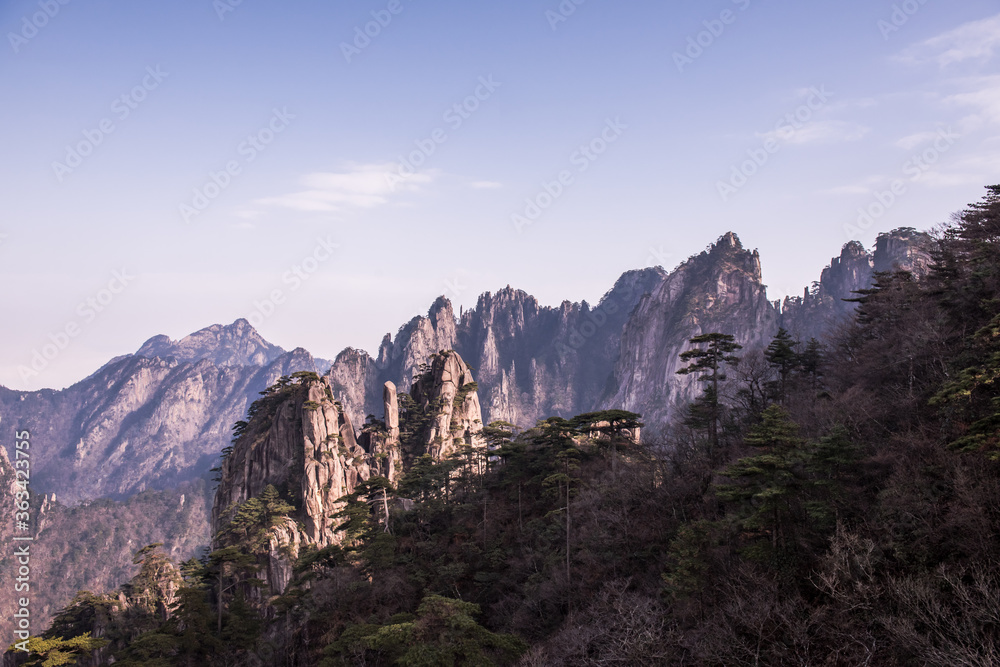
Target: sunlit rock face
(303, 443)
(154, 419)
(719, 290)
(301, 440)
(447, 393)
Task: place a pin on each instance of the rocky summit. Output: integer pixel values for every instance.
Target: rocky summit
(302, 442)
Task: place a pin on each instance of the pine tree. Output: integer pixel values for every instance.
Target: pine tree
(230, 567)
(709, 364)
(616, 427)
(830, 461)
(782, 357)
(766, 485)
(810, 363)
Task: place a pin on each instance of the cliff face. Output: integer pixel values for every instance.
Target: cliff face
(718, 290)
(822, 309)
(531, 361)
(302, 441)
(534, 362)
(147, 421)
(447, 394)
(903, 249)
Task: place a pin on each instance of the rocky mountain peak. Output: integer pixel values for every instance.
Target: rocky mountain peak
(725, 256)
(302, 442)
(821, 309)
(849, 272)
(717, 290)
(903, 249)
(728, 240)
(236, 344)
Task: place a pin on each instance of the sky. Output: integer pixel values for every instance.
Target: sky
(327, 169)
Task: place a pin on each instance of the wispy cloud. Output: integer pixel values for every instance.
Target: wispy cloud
(976, 40)
(911, 141)
(968, 170)
(817, 132)
(360, 186)
(858, 188)
(982, 94)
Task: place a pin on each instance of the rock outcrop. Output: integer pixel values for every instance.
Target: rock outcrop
(307, 446)
(719, 290)
(822, 309)
(301, 441)
(903, 249)
(447, 394)
(382, 440)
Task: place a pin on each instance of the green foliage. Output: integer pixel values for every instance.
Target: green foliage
(972, 399)
(767, 485)
(688, 564)
(709, 362)
(444, 632)
(252, 520)
(811, 361)
(498, 434)
(59, 651)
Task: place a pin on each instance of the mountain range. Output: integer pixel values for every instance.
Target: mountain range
(160, 417)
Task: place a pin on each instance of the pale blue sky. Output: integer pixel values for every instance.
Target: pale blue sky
(198, 81)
